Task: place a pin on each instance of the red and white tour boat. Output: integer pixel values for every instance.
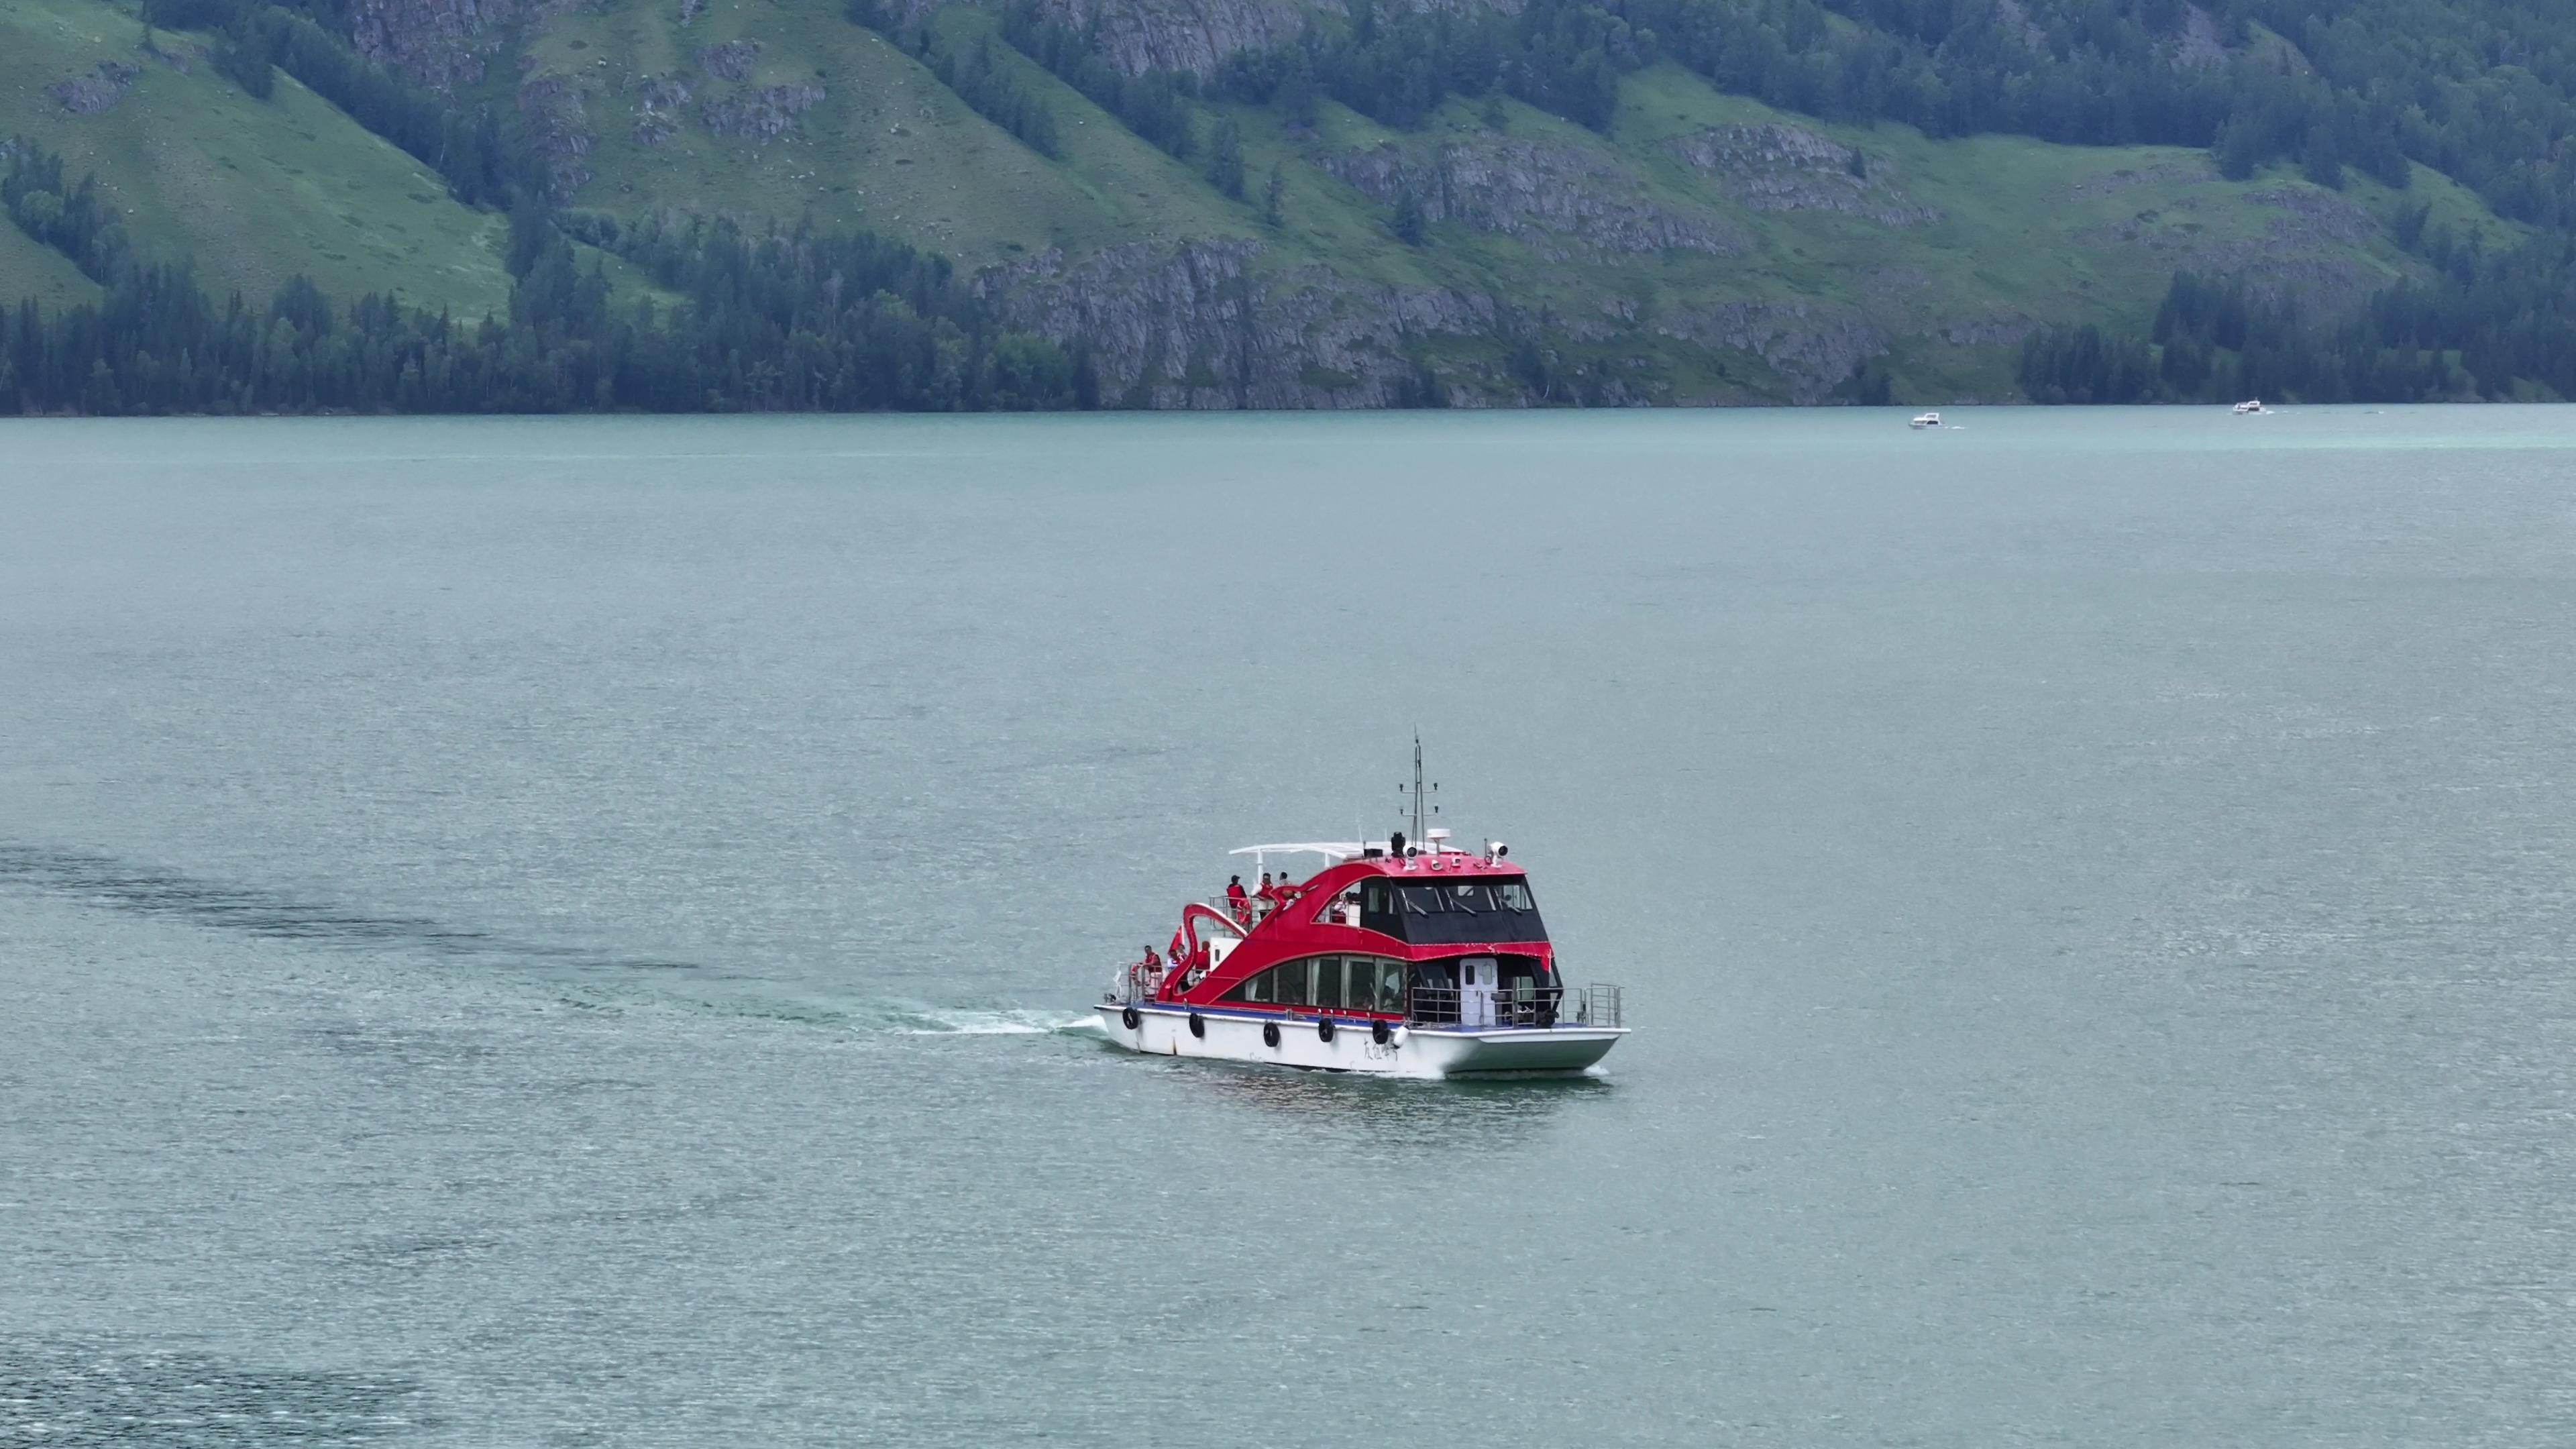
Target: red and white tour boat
(1401, 959)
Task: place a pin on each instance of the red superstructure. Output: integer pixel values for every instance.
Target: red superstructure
(1394, 959)
(1393, 933)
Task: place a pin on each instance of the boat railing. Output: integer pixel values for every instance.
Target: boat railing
(1258, 910)
(1597, 1004)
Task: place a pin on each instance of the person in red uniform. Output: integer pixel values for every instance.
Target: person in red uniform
(1178, 948)
(1268, 895)
(1238, 902)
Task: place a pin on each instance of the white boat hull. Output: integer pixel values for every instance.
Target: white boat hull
(1418, 1051)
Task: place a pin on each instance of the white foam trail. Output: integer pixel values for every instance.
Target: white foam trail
(932, 1021)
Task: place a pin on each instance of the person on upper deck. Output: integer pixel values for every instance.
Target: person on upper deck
(1237, 902)
(1267, 896)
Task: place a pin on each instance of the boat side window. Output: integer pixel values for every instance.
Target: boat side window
(1288, 981)
(1359, 990)
(1384, 978)
(1328, 981)
(1512, 895)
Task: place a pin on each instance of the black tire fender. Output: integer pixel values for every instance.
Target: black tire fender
(1198, 1026)
(1131, 1018)
(1324, 1029)
(1379, 1032)
(1270, 1033)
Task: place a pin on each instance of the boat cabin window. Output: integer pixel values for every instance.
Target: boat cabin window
(1336, 983)
(1507, 989)
(1437, 911)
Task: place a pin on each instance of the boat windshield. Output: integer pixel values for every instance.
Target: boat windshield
(1433, 911)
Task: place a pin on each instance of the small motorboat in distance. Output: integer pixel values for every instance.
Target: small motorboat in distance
(1395, 958)
(1925, 420)
(2251, 407)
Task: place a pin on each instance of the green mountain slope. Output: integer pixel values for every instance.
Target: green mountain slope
(1620, 223)
(251, 192)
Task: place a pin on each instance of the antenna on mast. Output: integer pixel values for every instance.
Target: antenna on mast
(1420, 792)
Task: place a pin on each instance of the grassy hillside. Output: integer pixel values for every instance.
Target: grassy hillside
(2026, 231)
(252, 192)
(30, 269)
(1690, 246)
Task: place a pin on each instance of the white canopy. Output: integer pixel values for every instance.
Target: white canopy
(1329, 849)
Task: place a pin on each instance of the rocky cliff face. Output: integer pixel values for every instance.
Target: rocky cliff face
(1811, 345)
(2309, 246)
(1188, 35)
(1194, 327)
(1198, 326)
(554, 109)
(88, 95)
(762, 113)
(1197, 35)
(1564, 201)
(1790, 168)
(437, 43)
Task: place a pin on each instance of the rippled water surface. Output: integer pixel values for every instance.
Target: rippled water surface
(567, 932)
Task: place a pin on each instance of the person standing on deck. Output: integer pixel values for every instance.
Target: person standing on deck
(1237, 902)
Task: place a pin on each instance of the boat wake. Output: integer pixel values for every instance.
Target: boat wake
(113, 884)
(587, 976)
(941, 1021)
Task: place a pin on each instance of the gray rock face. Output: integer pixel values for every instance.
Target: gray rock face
(658, 99)
(760, 115)
(1192, 327)
(437, 43)
(558, 127)
(1189, 35)
(1790, 168)
(2112, 182)
(2306, 249)
(730, 61)
(1812, 346)
(2199, 44)
(1197, 35)
(88, 95)
(1564, 201)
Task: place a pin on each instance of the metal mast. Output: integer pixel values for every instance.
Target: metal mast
(1417, 787)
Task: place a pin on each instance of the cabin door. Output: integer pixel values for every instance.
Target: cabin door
(1477, 978)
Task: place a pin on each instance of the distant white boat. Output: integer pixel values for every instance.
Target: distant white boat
(1925, 420)
(2250, 407)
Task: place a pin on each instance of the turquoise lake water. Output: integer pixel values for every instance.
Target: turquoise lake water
(570, 932)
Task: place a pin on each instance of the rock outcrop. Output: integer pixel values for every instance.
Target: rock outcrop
(1564, 201)
(760, 115)
(1195, 327)
(658, 99)
(2199, 45)
(1790, 168)
(2112, 182)
(88, 95)
(441, 44)
(1186, 35)
(554, 108)
(2311, 245)
(1812, 346)
(730, 61)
